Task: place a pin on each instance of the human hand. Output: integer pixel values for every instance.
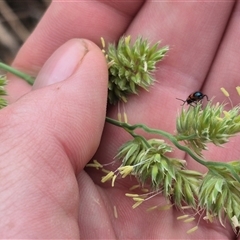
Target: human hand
(51, 195)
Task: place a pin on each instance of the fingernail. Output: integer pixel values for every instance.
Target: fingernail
(62, 64)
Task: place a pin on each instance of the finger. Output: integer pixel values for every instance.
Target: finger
(225, 73)
(64, 21)
(47, 136)
(81, 97)
(225, 69)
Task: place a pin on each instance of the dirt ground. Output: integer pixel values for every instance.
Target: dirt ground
(18, 18)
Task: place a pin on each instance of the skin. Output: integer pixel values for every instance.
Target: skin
(51, 131)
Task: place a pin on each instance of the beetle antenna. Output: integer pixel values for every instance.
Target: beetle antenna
(206, 97)
(182, 101)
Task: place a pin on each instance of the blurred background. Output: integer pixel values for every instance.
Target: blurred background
(18, 18)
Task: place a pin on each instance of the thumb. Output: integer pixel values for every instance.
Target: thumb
(48, 135)
(68, 103)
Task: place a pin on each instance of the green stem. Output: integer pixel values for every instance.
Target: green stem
(208, 164)
(159, 132)
(142, 138)
(29, 79)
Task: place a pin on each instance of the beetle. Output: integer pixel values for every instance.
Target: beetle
(194, 98)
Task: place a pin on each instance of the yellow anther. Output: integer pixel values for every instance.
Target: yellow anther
(107, 177)
(238, 90)
(224, 91)
(113, 180)
(189, 220)
(183, 217)
(131, 195)
(103, 42)
(192, 229)
(134, 187)
(127, 39)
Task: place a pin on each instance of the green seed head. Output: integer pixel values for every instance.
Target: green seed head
(219, 194)
(168, 175)
(131, 67)
(197, 126)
